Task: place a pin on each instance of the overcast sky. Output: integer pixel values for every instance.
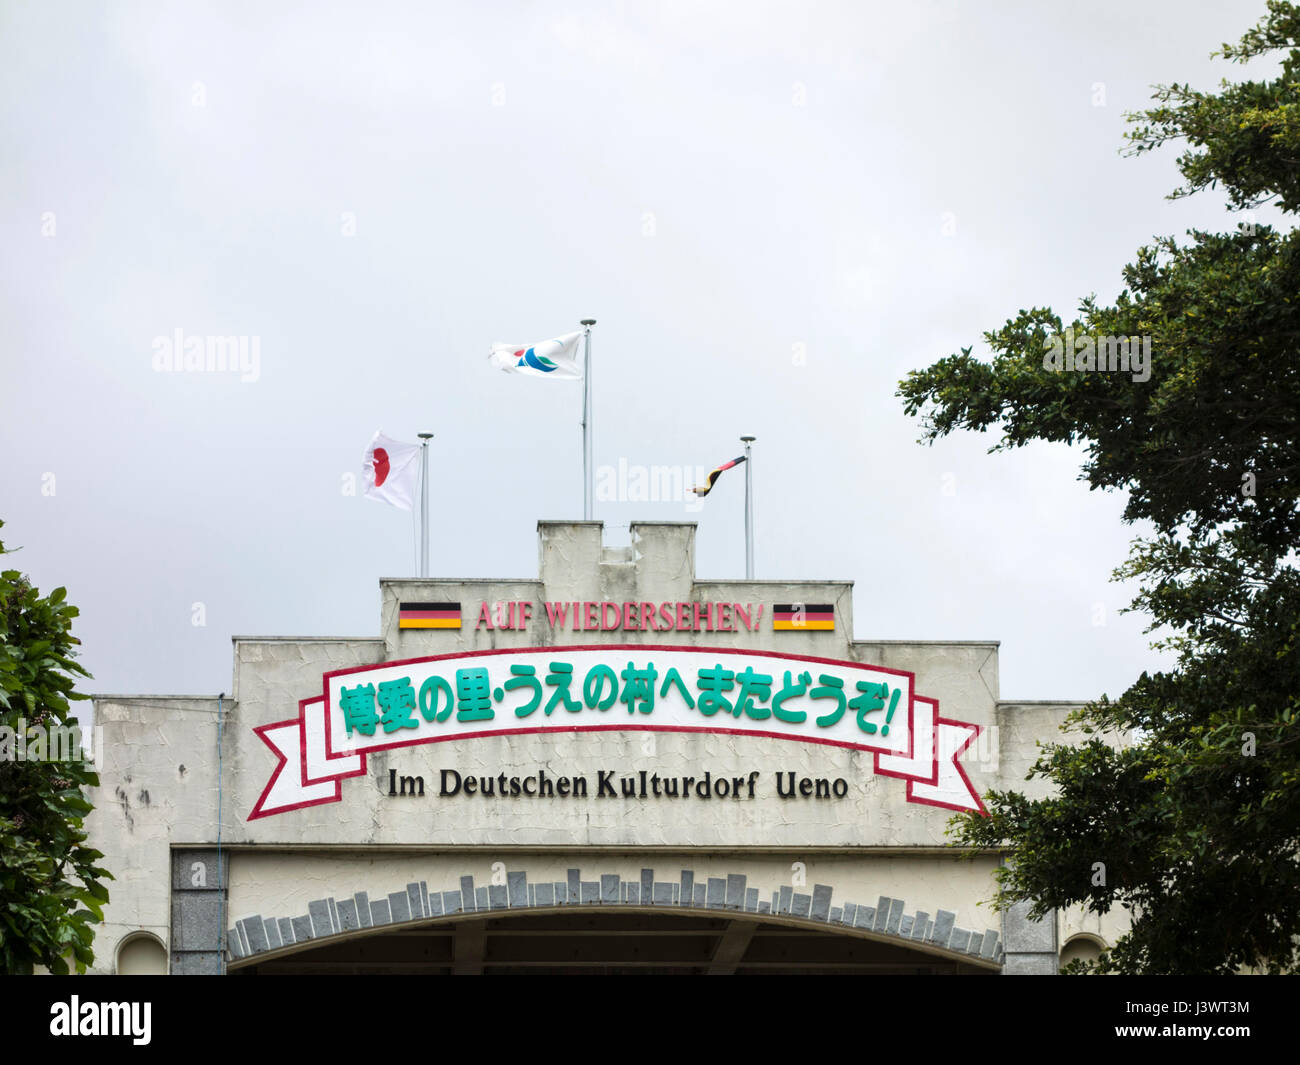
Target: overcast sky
(774, 211)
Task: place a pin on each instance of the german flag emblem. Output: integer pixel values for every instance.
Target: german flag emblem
(428, 616)
(797, 617)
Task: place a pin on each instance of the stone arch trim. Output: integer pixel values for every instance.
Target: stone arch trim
(1088, 937)
(335, 917)
(136, 936)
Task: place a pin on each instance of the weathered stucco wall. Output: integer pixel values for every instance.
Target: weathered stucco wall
(159, 781)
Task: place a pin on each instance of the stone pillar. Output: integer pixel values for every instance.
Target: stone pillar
(198, 905)
(569, 565)
(665, 559)
(1029, 947)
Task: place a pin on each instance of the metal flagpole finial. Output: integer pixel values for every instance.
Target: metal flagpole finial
(425, 436)
(588, 321)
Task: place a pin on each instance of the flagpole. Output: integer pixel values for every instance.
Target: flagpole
(587, 323)
(424, 502)
(749, 509)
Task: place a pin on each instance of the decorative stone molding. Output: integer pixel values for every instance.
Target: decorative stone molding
(331, 917)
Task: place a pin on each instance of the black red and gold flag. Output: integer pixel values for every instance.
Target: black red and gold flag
(792, 617)
(428, 616)
(705, 489)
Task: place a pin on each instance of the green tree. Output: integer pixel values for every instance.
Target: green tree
(51, 890)
(1198, 821)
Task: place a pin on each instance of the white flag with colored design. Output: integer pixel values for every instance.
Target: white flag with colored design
(557, 357)
(392, 471)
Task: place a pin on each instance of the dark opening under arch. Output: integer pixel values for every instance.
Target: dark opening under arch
(627, 940)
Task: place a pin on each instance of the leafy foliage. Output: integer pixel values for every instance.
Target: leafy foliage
(51, 893)
(1197, 823)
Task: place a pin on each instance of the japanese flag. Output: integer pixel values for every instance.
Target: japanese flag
(547, 358)
(392, 471)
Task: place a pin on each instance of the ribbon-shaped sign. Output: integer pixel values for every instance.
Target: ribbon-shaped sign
(614, 688)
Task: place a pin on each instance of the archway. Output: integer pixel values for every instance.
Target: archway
(624, 940)
(141, 954)
(1082, 947)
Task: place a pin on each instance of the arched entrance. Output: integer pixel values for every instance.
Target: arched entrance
(599, 914)
(628, 940)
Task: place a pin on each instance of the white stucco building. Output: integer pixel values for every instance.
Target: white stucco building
(613, 766)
